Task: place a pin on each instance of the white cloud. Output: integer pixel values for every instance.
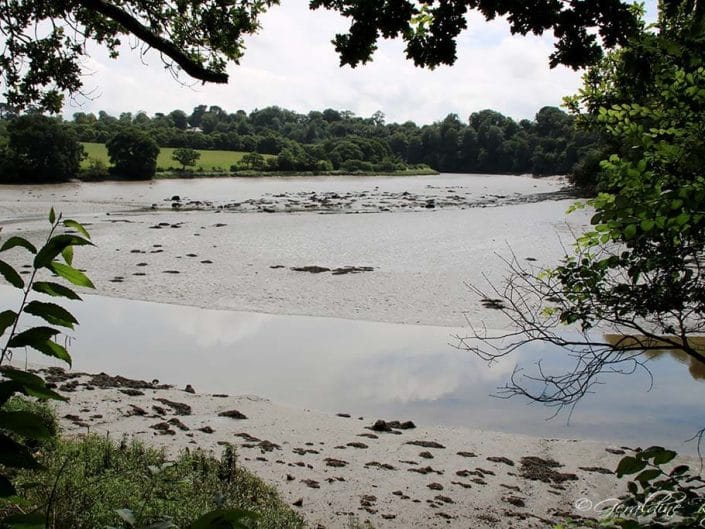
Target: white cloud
(291, 63)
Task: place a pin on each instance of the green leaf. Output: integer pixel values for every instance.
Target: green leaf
(67, 254)
(12, 242)
(32, 384)
(24, 378)
(128, 516)
(51, 348)
(630, 231)
(52, 313)
(10, 275)
(55, 246)
(39, 338)
(224, 519)
(24, 423)
(6, 488)
(69, 223)
(632, 487)
(7, 389)
(647, 475)
(52, 216)
(36, 520)
(630, 465)
(32, 336)
(664, 457)
(7, 318)
(682, 219)
(650, 452)
(14, 454)
(55, 289)
(70, 274)
(647, 225)
(680, 469)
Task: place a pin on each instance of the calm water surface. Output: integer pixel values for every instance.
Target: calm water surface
(375, 370)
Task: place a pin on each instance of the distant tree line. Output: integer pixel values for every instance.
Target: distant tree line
(488, 142)
(331, 140)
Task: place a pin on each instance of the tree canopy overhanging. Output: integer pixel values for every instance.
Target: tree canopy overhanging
(430, 27)
(45, 42)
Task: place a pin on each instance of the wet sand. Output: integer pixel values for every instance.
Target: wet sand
(334, 467)
(405, 265)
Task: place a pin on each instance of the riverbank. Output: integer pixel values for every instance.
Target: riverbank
(334, 467)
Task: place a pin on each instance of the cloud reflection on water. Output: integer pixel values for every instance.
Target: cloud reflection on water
(366, 368)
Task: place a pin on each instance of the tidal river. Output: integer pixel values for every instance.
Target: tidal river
(335, 294)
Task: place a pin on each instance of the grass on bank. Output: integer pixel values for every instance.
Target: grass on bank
(218, 164)
(209, 160)
(85, 481)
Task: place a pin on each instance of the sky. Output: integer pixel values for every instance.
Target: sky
(291, 63)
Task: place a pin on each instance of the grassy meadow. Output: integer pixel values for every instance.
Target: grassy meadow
(209, 160)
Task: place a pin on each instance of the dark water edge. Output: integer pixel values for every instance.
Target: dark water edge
(376, 370)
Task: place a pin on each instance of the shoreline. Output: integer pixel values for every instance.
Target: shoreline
(334, 467)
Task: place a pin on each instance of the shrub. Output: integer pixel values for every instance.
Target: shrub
(104, 484)
(357, 166)
(40, 409)
(96, 170)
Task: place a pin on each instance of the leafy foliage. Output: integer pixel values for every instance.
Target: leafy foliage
(96, 169)
(39, 149)
(186, 157)
(642, 262)
(21, 429)
(254, 161)
(431, 28)
(45, 42)
(659, 497)
(133, 154)
(98, 483)
(331, 140)
(635, 281)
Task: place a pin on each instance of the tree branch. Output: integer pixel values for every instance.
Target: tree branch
(168, 48)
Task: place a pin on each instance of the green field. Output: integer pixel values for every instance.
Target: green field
(209, 160)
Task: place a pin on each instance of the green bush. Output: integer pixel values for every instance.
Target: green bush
(40, 409)
(660, 495)
(96, 170)
(357, 166)
(94, 478)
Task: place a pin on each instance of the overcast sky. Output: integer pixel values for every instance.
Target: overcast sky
(291, 63)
